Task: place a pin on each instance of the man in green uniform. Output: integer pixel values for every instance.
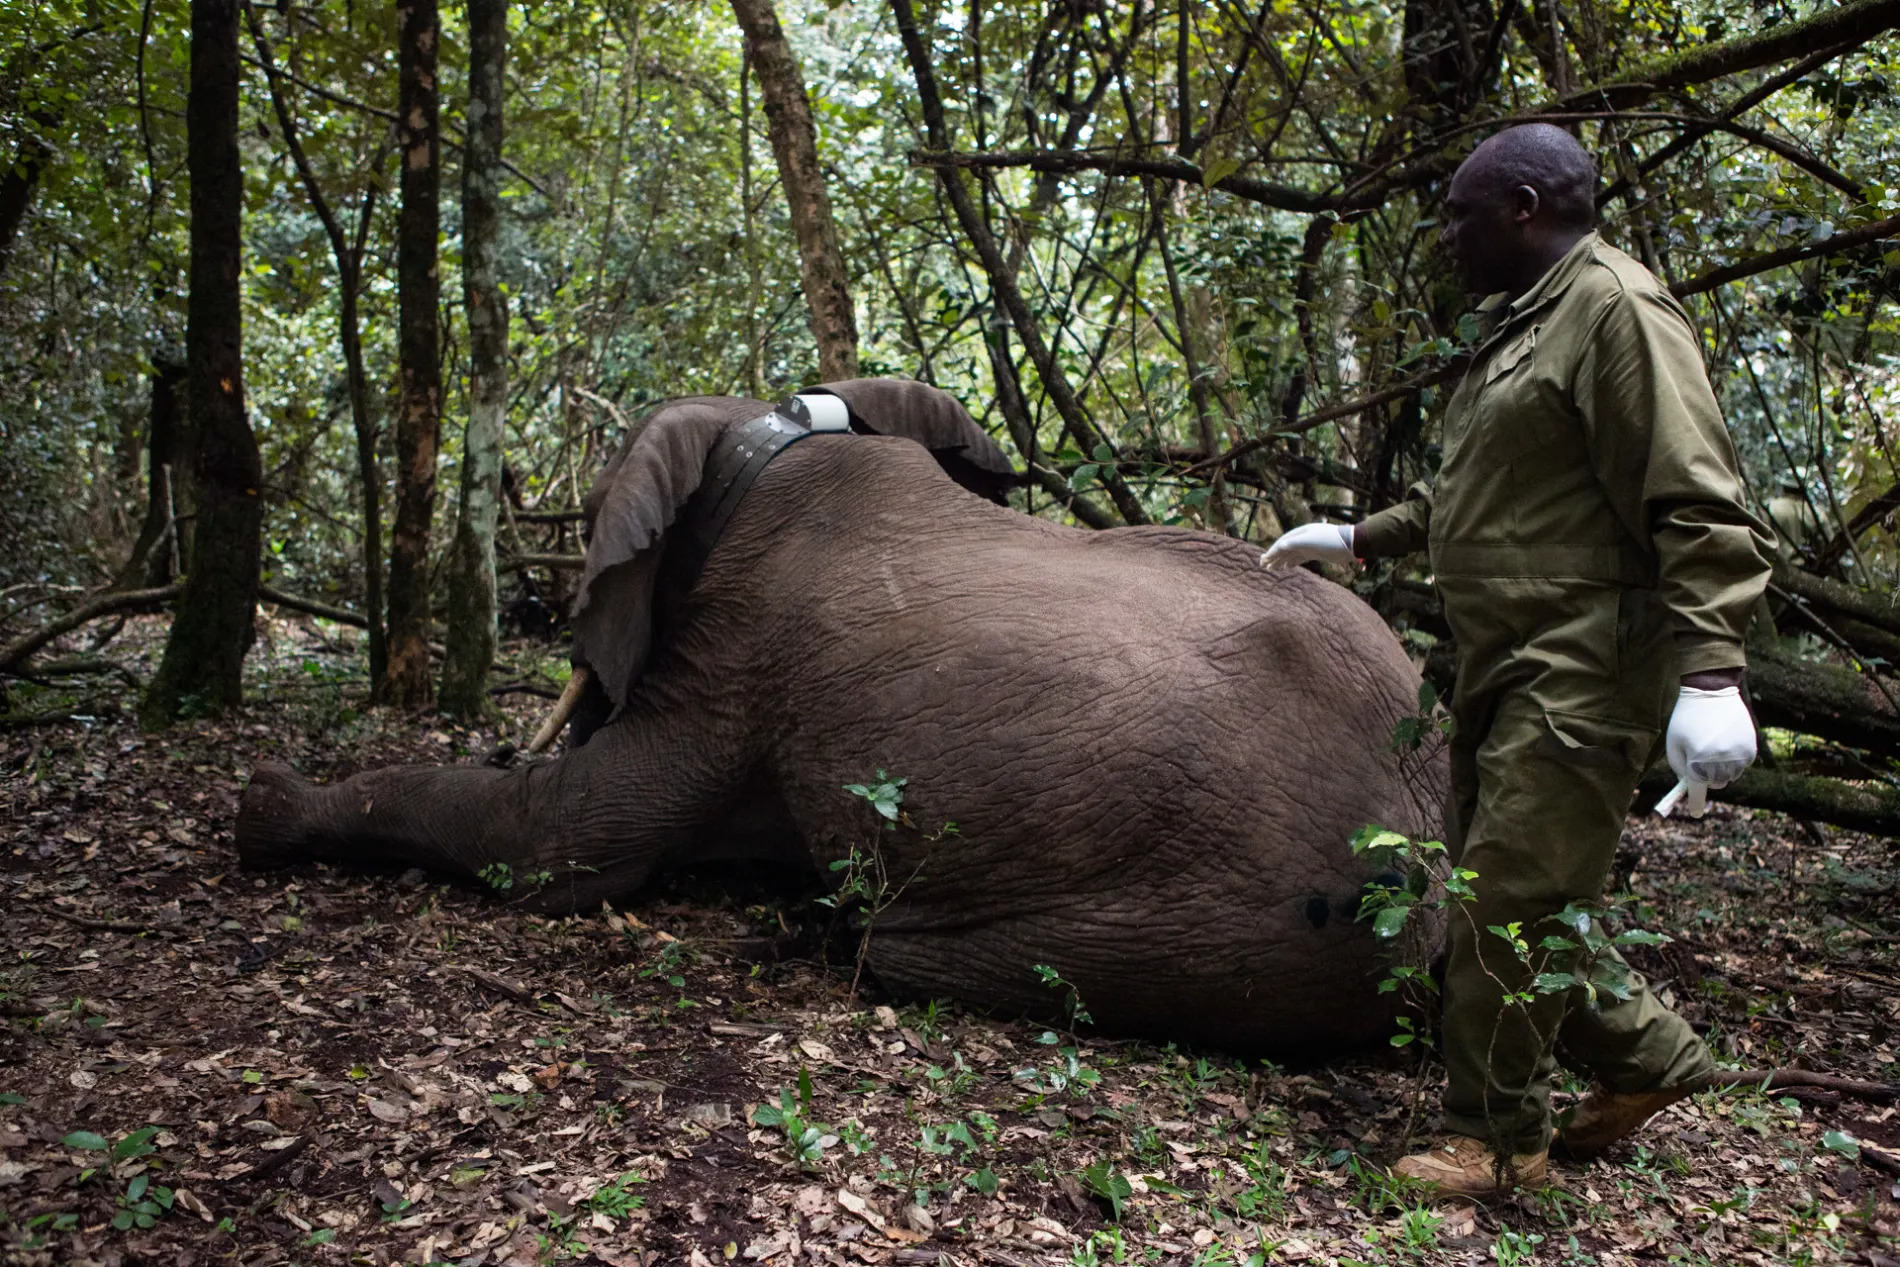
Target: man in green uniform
(1598, 567)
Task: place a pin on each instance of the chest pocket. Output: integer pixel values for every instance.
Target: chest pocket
(1515, 353)
(1515, 411)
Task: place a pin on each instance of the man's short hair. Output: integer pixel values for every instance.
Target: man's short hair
(1549, 160)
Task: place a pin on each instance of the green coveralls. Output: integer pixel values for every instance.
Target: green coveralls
(1590, 543)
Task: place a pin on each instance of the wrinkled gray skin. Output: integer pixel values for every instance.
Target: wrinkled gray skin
(1155, 751)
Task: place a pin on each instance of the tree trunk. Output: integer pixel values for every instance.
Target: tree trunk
(367, 472)
(471, 634)
(22, 178)
(151, 563)
(419, 408)
(204, 656)
(795, 146)
(348, 255)
(1214, 516)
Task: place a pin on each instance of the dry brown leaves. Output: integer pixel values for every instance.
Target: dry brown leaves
(374, 1069)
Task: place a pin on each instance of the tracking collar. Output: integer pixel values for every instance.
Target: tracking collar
(742, 453)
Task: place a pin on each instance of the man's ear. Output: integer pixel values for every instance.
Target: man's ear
(1525, 204)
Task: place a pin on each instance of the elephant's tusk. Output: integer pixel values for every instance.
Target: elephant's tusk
(563, 709)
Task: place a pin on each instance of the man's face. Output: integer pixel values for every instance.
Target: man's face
(1482, 235)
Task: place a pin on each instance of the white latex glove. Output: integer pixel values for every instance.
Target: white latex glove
(1311, 543)
(1711, 741)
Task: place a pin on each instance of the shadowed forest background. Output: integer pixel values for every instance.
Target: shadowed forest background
(1179, 261)
(318, 319)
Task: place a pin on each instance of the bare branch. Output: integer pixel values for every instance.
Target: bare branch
(16, 652)
(1740, 106)
(1866, 233)
(1266, 193)
(1850, 24)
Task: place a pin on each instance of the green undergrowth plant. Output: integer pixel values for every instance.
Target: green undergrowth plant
(945, 1156)
(1267, 1192)
(1428, 883)
(1418, 739)
(867, 885)
(1067, 1074)
(142, 1202)
(1574, 953)
(1108, 1184)
(669, 966)
(806, 1139)
(617, 1199)
(1072, 1007)
(501, 877)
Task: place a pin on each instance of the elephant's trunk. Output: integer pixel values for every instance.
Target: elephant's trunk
(562, 834)
(455, 820)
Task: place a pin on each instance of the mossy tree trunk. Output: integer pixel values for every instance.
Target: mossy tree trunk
(795, 146)
(202, 670)
(419, 406)
(471, 632)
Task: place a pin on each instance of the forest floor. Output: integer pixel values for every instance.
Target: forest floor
(201, 1065)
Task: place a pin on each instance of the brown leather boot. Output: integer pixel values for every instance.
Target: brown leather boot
(1604, 1116)
(1467, 1167)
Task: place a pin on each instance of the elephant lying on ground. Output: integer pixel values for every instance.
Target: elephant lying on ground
(1154, 751)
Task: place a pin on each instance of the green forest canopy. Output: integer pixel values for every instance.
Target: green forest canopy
(1219, 220)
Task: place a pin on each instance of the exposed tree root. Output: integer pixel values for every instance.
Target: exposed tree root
(1783, 1079)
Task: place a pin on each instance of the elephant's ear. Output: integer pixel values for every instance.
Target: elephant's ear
(638, 495)
(934, 419)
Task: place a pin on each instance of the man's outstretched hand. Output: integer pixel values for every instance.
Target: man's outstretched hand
(1311, 543)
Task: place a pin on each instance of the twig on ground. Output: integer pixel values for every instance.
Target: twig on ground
(97, 925)
(275, 1162)
(506, 988)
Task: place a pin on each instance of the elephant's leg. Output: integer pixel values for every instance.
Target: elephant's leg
(568, 832)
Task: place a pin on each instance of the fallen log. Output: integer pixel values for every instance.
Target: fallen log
(1819, 699)
(1832, 599)
(311, 607)
(80, 666)
(16, 652)
(559, 562)
(1857, 808)
(84, 713)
